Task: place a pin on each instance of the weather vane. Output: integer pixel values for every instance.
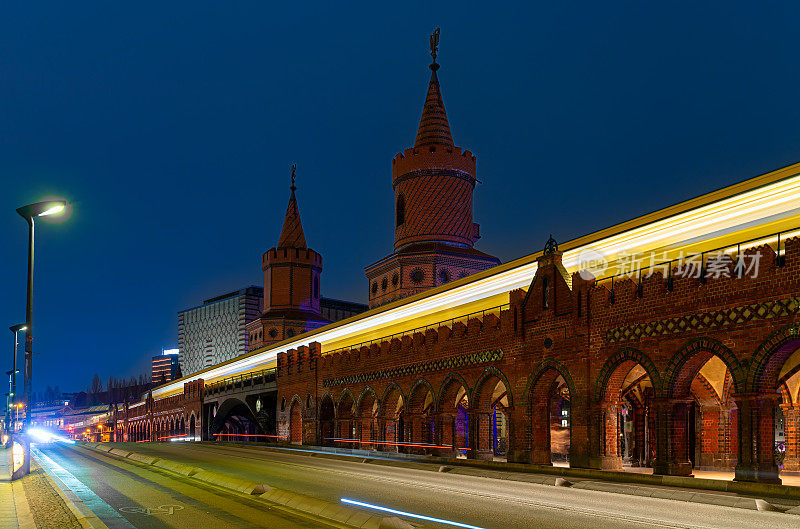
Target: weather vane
(294, 167)
(434, 44)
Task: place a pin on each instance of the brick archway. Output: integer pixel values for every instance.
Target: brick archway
(326, 414)
(367, 409)
(769, 358)
(365, 393)
(540, 370)
(622, 421)
(452, 415)
(390, 389)
(690, 417)
(626, 354)
(491, 402)
(345, 417)
(420, 383)
(296, 420)
(487, 374)
(690, 358)
(392, 417)
(343, 399)
(234, 417)
(539, 399)
(450, 379)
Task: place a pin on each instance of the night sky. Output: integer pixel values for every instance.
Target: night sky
(171, 131)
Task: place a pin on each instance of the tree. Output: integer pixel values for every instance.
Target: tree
(97, 385)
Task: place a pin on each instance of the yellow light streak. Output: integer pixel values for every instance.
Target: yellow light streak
(759, 207)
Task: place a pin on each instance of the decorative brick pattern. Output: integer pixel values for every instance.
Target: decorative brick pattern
(422, 367)
(706, 320)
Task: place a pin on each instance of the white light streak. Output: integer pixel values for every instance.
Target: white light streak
(410, 515)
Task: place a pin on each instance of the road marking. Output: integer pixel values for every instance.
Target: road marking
(95, 504)
(161, 509)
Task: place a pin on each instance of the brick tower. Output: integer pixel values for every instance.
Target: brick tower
(434, 233)
(291, 284)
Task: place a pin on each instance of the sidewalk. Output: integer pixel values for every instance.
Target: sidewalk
(15, 513)
(790, 479)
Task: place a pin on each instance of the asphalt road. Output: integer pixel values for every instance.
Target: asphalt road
(125, 495)
(491, 501)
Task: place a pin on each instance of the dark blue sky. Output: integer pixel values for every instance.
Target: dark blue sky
(171, 130)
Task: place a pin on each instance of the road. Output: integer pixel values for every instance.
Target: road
(491, 500)
(126, 496)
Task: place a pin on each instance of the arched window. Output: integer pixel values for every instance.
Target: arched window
(316, 286)
(401, 210)
(545, 292)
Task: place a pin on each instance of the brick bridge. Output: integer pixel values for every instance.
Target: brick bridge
(674, 373)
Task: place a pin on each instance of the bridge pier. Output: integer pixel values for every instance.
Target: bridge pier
(672, 437)
(756, 438)
(791, 425)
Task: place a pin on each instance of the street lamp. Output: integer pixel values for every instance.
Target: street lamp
(9, 403)
(12, 382)
(30, 212)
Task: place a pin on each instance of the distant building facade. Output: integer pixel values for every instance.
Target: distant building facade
(165, 367)
(216, 330)
(336, 309)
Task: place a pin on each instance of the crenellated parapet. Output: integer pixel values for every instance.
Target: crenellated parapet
(297, 363)
(435, 157)
(716, 293)
(300, 256)
(442, 347)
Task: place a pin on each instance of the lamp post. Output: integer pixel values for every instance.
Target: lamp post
(30, 212)
(9, 402)
(12, 383)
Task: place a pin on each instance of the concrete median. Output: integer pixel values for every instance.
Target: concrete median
(230, 482)
(335, 512)
(141, 458)
(172, 466)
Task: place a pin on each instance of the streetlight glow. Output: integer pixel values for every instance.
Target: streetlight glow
(53, 210)
(42, 209)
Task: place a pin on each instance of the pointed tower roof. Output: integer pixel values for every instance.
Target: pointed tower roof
(292, 235)
(434, 129)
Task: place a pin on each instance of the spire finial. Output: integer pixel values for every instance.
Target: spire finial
(434, 48)
(551, 246)
(293, 187)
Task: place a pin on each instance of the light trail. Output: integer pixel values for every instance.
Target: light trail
(743, 210)
(409, 514)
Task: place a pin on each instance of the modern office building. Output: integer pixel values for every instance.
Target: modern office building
(166, 367)
(215, 331)
(336, 309)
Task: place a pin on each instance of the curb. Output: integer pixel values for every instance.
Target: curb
(330, 512)
(23, 509)
(716, 485)
(85, 517)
